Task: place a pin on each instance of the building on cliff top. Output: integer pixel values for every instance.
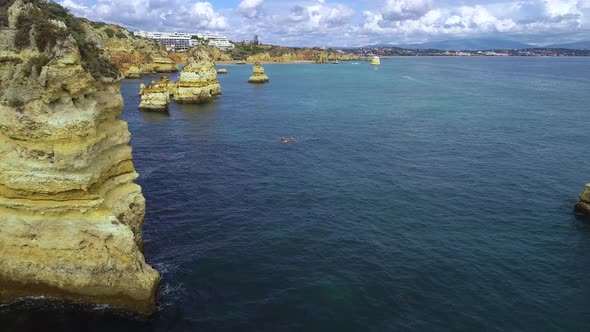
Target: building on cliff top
(182, 41)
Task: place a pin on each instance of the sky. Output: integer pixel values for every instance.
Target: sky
(348, 23)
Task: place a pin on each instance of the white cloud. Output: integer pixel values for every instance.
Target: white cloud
(313, 22)
(397, 10)
(153, 14)
(250, 8)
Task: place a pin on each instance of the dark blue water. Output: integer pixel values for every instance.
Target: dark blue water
(429, 194)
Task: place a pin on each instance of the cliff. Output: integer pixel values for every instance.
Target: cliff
(273, 53)
(258, 75)
(134, 56)
(583, 205)
(70, 213)
(197, 82)
(214, 53)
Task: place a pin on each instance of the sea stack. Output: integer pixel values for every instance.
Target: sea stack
(258, 76)
(70, 213)
(156, 96)
(198, 80)
(583, 205)
(376, 61)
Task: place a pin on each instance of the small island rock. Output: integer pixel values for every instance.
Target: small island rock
(198, 80)
(258, 76)
(156, 97)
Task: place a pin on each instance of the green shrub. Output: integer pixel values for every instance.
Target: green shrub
(48, 34)
(98, 25)
(4, 5)
(110, 32)
(36, 63)
(120, 35)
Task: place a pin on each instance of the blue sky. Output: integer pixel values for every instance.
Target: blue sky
(351, 23)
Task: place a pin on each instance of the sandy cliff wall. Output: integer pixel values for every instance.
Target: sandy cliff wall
(134, 56)
(70, 213)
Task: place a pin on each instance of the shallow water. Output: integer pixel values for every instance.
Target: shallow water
(425, 194)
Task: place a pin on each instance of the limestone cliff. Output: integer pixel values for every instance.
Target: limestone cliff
(214, 53)
(584, 205)
(258, 75)
(134, 56)
(156, 97)
(70, 213)
(197, 82)
(273, 53)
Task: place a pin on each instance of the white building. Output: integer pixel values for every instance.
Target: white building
(182, 41)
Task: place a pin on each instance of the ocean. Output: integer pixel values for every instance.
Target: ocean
(426, 194)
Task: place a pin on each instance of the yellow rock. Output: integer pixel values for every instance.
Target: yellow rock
(70, 213)
(258, 76)
(583, 205)
(156, 97)
(197, 82)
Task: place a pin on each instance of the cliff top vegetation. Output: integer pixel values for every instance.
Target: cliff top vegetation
(47, 34)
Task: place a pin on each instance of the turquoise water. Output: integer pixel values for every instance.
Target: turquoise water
(428, 194)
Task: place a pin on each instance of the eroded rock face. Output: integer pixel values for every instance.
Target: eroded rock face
(156, 97)
(197, 82)
(70, 213)
(584, 205)
(134, 56)
(258, 75)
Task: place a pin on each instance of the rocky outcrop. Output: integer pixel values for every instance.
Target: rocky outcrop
(135, 56)
(376, 61)
(133, 72)
(156, 97)
(197, 82)
(214, 53)
(258, 75)
(222, 71)
(583, 205)
(70, 213)
(322, 58)
(273, 53)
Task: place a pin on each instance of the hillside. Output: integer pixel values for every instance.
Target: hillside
(134, 56)
(274, 53)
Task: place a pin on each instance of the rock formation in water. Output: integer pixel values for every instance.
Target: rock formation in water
(134, 56)
(70, 213)
(583, 205)
(156, 97)
(375, 61)
(222, 71)
(197, 82)
(258, 75)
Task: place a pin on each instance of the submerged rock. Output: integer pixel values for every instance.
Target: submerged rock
(156, 96)
(583, 205)
(197, 82)
(71, 215)
(258, 76)
(287, 140)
